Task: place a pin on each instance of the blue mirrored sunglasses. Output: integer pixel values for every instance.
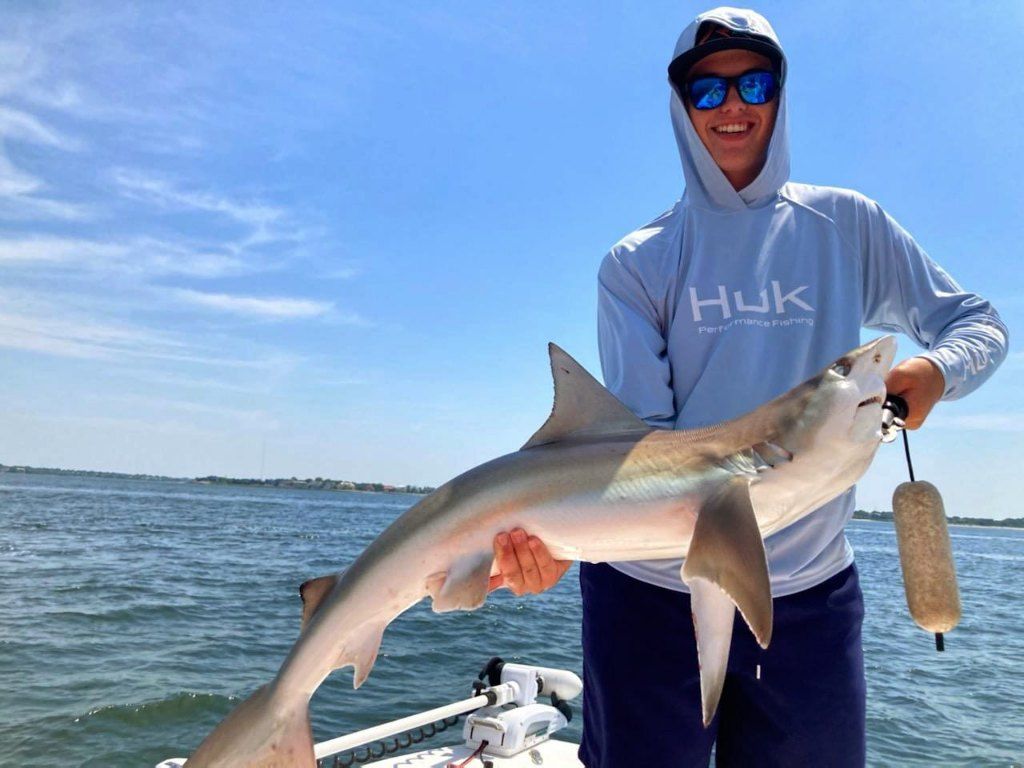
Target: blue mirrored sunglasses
(759, 86)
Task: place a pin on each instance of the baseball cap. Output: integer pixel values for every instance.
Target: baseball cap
(712, 37)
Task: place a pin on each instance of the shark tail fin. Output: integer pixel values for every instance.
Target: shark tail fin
(726, 569)
(258, 734)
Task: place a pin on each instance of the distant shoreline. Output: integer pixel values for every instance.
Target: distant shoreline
(327, 484)
(1010, 523)
(291, 483)
(985, 526)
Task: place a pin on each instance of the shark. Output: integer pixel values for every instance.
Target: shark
(594, 483)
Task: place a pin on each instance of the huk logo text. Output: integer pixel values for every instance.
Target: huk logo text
(738, 303)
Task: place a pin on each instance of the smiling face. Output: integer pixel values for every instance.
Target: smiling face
(735, 133)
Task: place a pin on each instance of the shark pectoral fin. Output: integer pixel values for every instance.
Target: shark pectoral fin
(727, 550)
(313, 594)
(464, 586)
(713, 614)
(360, 650)
(726, 566)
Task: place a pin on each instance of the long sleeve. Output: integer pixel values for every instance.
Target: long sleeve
(906, 291)
(632, 345)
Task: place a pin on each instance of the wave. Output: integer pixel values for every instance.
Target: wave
(185, 706)
(984, 537)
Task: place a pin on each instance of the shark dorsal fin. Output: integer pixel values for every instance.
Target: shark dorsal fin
(583, 407)
(314, 592)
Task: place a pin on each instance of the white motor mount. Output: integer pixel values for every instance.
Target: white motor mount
(509, 731)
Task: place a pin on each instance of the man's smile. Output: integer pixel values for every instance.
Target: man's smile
(735, 129)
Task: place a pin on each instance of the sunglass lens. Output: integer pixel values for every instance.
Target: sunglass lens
(757, 87)
(708, 92)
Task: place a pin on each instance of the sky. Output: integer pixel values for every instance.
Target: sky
(333, 240)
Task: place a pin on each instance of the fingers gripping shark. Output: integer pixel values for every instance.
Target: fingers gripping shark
(595, 483)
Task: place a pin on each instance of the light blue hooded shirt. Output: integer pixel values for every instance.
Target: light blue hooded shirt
(731, 298)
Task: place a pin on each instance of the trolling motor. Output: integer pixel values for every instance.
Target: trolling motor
(922, 535)
(504, 731)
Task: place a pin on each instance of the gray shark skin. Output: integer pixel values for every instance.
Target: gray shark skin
(594, 483)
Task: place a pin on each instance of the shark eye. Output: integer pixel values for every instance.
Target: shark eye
(842, 367)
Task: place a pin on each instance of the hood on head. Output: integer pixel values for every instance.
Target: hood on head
(706, 185)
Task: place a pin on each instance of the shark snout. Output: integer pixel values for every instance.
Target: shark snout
(863, 371)
(879, 354)
(869, 365)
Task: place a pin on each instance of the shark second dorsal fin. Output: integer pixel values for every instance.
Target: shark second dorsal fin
(314, 592)
(583, 407)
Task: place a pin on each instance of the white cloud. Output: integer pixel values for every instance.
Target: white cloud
(76, 328)
(18, 65)
(342, 273)
(158, 257)
(274, 363)
(143, 256)
(19, 125)
(18, 199)
(18, 189)
(274, 308)
(26, 207)
(159, 192)
(75, 337)
(263, 224)
(14, 182)
(207, 383)
(57, 250)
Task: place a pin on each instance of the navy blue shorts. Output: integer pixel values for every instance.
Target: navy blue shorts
(641, 694)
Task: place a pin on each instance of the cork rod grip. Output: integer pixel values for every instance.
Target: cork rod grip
(926, 556)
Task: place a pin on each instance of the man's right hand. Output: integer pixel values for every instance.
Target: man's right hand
(525, 565)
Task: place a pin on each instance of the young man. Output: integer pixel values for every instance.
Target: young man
(746, 287)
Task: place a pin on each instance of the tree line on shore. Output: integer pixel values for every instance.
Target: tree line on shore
(315, 483)
(310, 483)
(1016, 522)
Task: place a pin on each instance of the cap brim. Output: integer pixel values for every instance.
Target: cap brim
(681, 64)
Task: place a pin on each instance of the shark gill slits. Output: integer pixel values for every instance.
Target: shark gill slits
(772, 453)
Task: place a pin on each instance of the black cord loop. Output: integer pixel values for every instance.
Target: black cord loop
(389, 746)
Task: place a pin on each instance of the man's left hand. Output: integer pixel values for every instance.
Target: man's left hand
(524, 564)
(920, 382)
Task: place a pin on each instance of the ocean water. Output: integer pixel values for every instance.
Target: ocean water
(133, 613)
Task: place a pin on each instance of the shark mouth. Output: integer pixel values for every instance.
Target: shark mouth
(870, 400)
